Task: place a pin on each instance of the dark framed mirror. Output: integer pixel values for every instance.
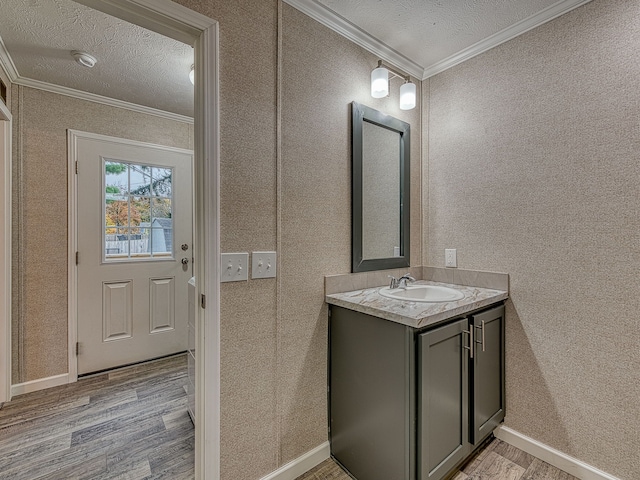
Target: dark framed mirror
(380, 146)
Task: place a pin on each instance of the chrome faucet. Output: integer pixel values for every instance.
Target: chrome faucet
(400, 282)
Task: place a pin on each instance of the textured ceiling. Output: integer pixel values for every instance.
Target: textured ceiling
(430, 31)
(142, 67)
(134, 64)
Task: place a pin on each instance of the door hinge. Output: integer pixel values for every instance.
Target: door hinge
(203, 300)
(77, 348)
(77, 257)
(76, 167)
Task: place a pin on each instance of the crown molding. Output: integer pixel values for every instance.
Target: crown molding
(7, 63)
(529, 23)
(93, 97)
(358, 36)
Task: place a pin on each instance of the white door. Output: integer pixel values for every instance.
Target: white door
(134, 257)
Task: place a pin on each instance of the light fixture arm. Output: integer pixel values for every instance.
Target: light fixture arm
(394, 71)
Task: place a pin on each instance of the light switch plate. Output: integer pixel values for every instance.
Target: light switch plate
(263, 264)
(234, 267)
(450, 257)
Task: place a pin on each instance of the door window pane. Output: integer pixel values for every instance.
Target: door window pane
(161, 208)
(141, 206)
(161, 182)
(116, 213)
(161, 241)
(137, 211)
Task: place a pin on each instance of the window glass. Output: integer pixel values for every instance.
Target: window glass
(137, 211)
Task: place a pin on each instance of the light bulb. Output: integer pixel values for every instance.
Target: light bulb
(408, 96)
(379, 82)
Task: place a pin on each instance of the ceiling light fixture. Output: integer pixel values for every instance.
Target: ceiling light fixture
(83, 58)
(380, 85)
(192, 75)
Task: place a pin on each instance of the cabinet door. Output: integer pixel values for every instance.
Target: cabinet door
(487, 374)
(443, 399)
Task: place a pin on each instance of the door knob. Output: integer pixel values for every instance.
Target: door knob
(185, 261)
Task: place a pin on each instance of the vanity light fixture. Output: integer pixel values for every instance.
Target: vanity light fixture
(192, 75)
(380, 85)
(83, 58)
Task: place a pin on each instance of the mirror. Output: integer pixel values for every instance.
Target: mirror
(380, 147)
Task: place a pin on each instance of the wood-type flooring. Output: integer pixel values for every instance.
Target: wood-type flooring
(496, 461)
(130, 423)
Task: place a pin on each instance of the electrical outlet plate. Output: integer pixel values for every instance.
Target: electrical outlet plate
(450, 258)
(263, 264)
(234, 267)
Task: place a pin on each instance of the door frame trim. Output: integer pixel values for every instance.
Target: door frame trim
(184, 24)
(5, 254)
(73, 136)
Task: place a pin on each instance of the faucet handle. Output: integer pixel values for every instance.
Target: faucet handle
(394, 282)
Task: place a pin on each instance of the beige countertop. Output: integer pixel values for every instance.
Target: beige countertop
(417, 314)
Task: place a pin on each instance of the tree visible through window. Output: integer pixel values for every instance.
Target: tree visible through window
(137, 211)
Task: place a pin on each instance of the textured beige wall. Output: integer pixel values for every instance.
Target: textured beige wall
(39, 323)
(322, 73)
(534, 170)
(424, 179)
(248, 79)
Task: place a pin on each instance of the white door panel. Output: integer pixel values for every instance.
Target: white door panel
(134, 214)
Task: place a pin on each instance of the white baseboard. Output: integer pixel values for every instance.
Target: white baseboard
(302, 464)
(39, 384)
(558, 459)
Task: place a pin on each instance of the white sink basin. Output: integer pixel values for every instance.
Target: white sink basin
(422, 293)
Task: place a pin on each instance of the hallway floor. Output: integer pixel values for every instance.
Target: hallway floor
(133, 423)
(496, 461)
(130, 423)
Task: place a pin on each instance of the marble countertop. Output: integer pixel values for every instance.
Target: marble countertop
(416, 314)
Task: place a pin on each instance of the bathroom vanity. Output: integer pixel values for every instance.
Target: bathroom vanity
(414, 387)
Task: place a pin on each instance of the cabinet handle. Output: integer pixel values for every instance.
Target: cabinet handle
(470, 347)
(482, 335)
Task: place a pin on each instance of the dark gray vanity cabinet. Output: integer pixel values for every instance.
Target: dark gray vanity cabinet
(408, 403)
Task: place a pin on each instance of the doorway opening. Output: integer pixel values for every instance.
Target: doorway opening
(180, 23)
